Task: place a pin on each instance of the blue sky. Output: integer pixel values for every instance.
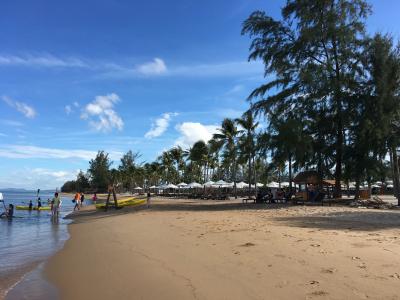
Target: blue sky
(80, 76)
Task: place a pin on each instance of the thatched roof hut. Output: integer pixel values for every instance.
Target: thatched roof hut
(307, 177)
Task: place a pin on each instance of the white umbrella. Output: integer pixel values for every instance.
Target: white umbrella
(182, 184)
(241, 185)
(194, 185)
(259, 184)
(138, 188)
(273, 184)
(171, 186)
(284, 184)
(220, 182)
(209, 183)
(153, 187)
(389, 186)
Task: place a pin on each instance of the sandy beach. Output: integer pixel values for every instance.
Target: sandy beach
(183, 249)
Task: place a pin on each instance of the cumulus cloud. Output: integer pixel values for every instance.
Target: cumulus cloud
(155, 67)
(27, 110)
(101, 115)
(191, 132)
(160, 125)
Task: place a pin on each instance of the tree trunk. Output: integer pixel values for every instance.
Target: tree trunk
(234, 178)
(396, 183)
(357, 194)
(255, 175)
(249, 175)
(290, 173)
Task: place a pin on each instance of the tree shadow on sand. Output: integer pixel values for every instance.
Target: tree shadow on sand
(349, 220)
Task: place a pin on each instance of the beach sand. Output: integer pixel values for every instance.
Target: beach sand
(184, 249)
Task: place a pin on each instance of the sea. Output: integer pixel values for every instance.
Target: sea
(29, 238)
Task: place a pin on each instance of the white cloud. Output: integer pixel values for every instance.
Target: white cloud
(192, 132)
(23, 151)
(68, 109)
(101, 115)
(41, 61)
(25, 109)
(28, 151)
(155, 67)
(160, 125)
(37, 177)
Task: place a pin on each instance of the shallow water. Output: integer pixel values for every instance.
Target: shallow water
(31, 236)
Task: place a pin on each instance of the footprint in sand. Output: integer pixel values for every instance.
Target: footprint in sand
(328, 271)
(395, 275)
(248, 244)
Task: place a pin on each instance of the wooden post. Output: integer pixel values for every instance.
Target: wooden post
(111, 190)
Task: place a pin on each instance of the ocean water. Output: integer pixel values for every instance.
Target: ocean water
(31, 236)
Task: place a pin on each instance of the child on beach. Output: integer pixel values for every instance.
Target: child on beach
(94, 198)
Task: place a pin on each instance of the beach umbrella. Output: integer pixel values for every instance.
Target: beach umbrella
(209, 183)
(194, 185)
(153, 187)
(389, 186)
(259, 184)
(241, 185)
(171, 186)
(273, 184)
(220, 182)
(138, 188)
(182, 184)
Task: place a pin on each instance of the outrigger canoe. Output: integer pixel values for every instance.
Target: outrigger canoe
(122, 203)
(22, 207)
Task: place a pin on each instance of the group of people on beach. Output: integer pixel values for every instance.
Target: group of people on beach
(79, 198)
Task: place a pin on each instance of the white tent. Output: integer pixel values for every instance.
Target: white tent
(273, 184)
(170, 186)
(182, 184)
(209, 183)
(241, 185)
(221, 182)
(194, 185)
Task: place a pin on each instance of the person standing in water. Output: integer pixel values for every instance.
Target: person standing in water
(56, 201)
(82, 199)
(30, 205)
(77, 201)
(39, 203)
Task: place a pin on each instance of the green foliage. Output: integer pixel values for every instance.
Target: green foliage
(99, 172)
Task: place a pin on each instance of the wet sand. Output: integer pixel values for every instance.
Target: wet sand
(183, 249)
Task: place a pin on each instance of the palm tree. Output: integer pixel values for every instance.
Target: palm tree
(247, 143)
(227, 136)
(177, 154)
(198, 154)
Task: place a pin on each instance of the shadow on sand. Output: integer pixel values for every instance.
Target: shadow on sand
(349, 220)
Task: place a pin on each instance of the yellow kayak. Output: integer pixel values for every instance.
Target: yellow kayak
(122, 203)
(22, 207)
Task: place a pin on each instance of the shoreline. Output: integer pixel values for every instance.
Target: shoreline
(14, 279)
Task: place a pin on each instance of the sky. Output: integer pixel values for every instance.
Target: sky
(81, 76)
